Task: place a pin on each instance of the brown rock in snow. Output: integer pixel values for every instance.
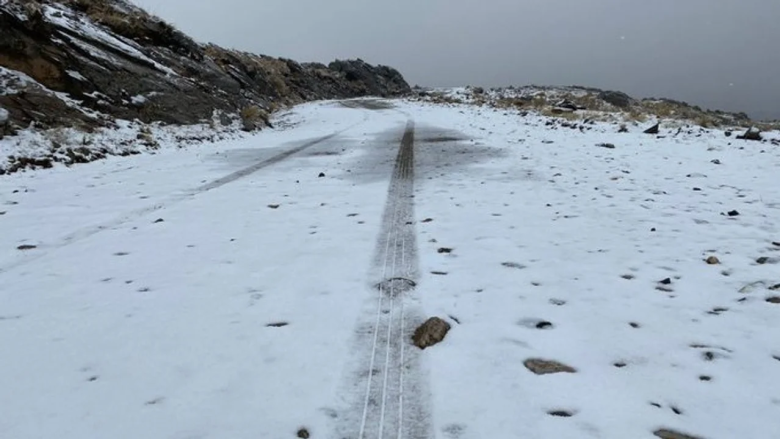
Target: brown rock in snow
(430, 333)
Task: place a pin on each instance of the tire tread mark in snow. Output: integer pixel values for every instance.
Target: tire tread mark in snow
(394, 402)
(138, 213)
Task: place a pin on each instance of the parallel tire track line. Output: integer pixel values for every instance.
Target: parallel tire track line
(394, 403)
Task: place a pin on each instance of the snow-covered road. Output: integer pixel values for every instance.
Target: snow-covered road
(229, 290)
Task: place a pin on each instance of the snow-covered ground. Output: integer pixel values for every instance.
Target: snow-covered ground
(218, 291)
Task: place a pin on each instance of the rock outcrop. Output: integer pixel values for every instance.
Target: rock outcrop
(86, 63)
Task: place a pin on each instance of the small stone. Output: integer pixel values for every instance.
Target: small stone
(560, 413)
(25, 247)
(273, 206)
(303, 433)
(697, 189)
(634, 325)
(762, 260)
(774, 299)
(653, 229)
(653, 129)
(715, 162)
(427, 220)
(430, 333)
(159, 220)
(705, 378)
(445, 250)
(277, 325)
(322, 175)
(545, 367)
(606, 145)
(666, 281)
(671, 434)
(544, 325)
(733, 213)
(713, 260)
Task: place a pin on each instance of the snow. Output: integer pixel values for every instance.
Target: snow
(11, 81)
(62, 17)
(75, 75)
(120, 326)
(138, 100)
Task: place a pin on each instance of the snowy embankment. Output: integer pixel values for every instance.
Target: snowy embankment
(214, 291)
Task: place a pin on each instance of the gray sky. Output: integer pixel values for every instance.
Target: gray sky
(715, 53)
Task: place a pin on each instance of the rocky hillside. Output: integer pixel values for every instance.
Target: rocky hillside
(590, 103)
(88, 63)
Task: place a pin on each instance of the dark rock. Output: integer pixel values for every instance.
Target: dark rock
(655, 129)
(545, 367)
(166, 77)
(430, 333)
(728, 133)
(303, 433)
(606, 145)
(616, 98)
(751, 134)
(321, 175)
(715, 162)
(666, 281)
(672, 434)
(27, 247)
(733, 213)
(569, 105)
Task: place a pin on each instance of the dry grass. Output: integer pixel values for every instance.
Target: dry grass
(255, 114)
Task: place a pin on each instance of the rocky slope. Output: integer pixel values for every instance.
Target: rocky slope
(88, 63)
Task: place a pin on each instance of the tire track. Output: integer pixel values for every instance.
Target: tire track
(86, 232)
(392, 400)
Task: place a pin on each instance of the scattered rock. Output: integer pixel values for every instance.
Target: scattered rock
(545, 367)
(427, 220)
(560, 413)
(728, 133)
(321, 175)
(655, 129)
(277, 325)
(557, 302)
(430, 333)
(620, 364)
(544, 325)
(159, 220)
(666, 281)
(25, 247)
(513, 265)
(713, 260)
(273, 206)
(774, 299)
(705, 378)
(606, 145)
(715, 162)
(445, 250)
(671, 434)
(303, 433)
(776, 244)
(762, 260)
(623, 129)
(634, 325)
(439, 273)
(751, 134)
(733, 213)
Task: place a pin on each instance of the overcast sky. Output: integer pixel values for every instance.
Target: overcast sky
(715, 53)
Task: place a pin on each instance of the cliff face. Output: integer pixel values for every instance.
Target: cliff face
(85, 63)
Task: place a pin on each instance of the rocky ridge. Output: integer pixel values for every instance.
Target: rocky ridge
(87, 64)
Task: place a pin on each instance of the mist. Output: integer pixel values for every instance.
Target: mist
(719, 54)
